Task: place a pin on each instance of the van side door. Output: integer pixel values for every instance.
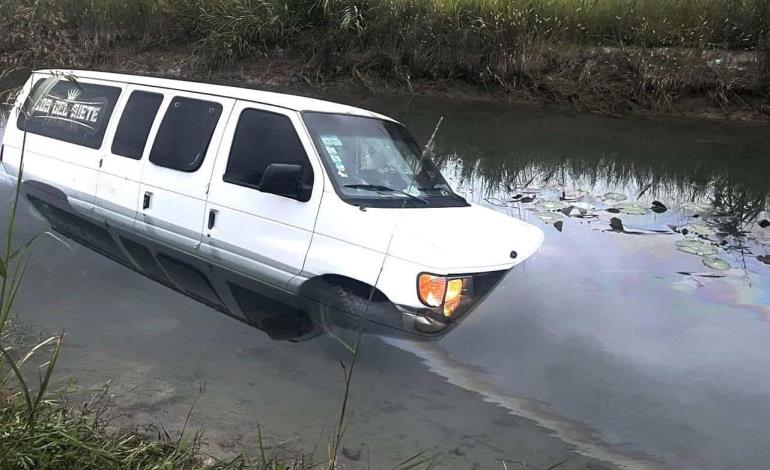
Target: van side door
(261, 234)
(176, 174)
(117, 189)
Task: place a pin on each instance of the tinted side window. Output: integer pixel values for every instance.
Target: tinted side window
(185, 134)
(135, 124)
(70, 111)
(262, 138)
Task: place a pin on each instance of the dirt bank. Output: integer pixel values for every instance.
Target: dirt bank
(594, 81)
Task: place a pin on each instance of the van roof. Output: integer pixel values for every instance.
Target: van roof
(296, 103)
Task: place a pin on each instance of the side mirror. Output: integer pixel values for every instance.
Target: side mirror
(284, 180)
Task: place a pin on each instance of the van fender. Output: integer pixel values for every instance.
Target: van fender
(339, 301)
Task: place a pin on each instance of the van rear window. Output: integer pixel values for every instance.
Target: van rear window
(70, 111)
(185, 134)
(135, 124)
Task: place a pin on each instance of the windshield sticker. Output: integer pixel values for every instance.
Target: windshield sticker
(331, 140)
(331, 151)
(336, 159)
(341, 169)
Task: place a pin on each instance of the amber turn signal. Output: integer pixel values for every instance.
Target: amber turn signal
(453, 296)
(431, 289)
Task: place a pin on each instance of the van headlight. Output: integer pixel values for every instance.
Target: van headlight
(444, 293)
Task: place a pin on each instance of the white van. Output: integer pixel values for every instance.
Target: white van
(239, 197)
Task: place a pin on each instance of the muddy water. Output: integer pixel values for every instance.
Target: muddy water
(613, 346)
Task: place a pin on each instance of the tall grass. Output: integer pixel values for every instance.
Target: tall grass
(599, 55)
(736, 24)
(247, 27)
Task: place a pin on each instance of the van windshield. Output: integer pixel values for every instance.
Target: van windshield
(377, 163)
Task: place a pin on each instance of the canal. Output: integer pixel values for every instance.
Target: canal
(636, 337)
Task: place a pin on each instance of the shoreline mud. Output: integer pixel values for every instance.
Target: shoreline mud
(294, 76)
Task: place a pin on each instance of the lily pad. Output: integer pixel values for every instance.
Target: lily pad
(532, 189)
(694, 206)
(549, 217)
(573, 195)
(614, 197)
(495, 202)
(630, 208)
(696, 247)
(551, 205)
(583, 205)
(703, 230)
(717, 263)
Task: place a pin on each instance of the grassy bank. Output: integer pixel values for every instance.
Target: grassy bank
(614, 56)
(81, 437)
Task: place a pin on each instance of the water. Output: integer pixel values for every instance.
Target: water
(615, 343)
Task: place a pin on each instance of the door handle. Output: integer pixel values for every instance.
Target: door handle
(212, 218)
(146, 202)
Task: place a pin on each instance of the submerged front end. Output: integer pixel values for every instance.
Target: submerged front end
(443, 262)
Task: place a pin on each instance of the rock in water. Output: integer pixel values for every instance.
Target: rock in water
(658, 207)
(764, 223)
(616, 225)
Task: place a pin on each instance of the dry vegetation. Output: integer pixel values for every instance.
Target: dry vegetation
(609, 56)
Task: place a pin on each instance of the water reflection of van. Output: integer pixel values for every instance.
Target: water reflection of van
(240, 198)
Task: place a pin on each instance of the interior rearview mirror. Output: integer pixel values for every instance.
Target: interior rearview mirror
(284, 180)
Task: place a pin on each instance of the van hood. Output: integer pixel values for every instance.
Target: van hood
(455, 240)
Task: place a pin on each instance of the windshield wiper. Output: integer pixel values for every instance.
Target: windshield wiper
(385, 189)
(371, 187)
